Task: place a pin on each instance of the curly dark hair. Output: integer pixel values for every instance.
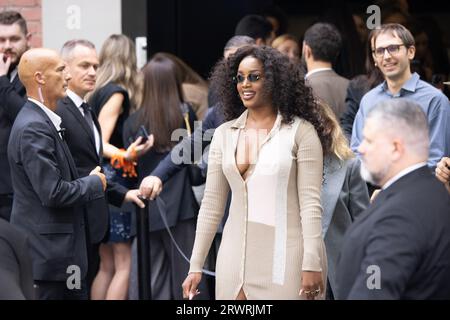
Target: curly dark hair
(284, 84)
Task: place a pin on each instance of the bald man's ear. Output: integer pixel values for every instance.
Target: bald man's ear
(399, 149)
(39, 77)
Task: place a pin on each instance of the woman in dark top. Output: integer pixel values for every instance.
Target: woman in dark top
(117, 92)
(165, 115)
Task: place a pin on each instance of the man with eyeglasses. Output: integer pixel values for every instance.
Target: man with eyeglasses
(392, 50)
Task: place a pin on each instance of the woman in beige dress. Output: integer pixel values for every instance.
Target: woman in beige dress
(270, 155)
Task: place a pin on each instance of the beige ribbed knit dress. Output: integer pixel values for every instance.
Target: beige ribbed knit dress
(274, 227)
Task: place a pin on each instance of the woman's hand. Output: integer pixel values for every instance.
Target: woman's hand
(137, 148)
(190, 285)
(312, 285)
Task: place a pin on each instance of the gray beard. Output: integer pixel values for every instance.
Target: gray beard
(374, 178)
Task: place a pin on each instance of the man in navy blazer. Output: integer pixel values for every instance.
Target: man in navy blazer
(84, 139)
(400, 247)
(14, 41)
(49, 197)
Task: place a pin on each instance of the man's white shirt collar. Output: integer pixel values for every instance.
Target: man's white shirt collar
(54, 118)
(317, 70)
(402, 173)
(75, 98)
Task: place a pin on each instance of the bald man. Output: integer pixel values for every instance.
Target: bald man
(49, 197)
(399, 247)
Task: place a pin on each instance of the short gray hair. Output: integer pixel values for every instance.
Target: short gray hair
(68, 47)
(405, 118)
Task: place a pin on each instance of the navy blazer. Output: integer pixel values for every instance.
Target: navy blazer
(198, 140)
(12, 98)
(48, 196)
(404, 238)
(81, 142)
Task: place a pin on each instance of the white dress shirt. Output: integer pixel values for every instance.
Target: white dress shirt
(54, 118)
(402, 173)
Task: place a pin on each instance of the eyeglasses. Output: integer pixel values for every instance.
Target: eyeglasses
(392, 49)
(251, 77)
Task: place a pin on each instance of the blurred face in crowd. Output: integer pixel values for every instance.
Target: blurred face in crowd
(13, 42)
(376, 152)
(290, 48)
(394, 62)
(249, 82)
(82, 65)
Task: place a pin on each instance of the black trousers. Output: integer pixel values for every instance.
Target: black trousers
(58, 290)
(6, 201)
(168, 268)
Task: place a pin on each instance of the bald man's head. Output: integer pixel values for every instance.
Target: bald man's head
(42, 72)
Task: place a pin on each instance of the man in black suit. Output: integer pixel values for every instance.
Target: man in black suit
(16, 276)
(398, 248)
(48, 195)
(14, 41)
(84, 138)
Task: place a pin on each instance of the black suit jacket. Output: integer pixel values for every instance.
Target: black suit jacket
(81, 142)
(12, 98)
(177, 193)
(48, 195)
(16, 277)
(405, 235)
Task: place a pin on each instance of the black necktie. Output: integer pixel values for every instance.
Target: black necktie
(88, 115)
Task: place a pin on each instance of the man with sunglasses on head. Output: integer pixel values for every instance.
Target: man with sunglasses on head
(392, 50)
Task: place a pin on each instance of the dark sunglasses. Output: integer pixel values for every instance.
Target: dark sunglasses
(251, 78)
(392, 49)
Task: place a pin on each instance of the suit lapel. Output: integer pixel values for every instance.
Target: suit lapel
(65, 148)
(18, 86)
(379, 200)
(81, 120)
(334, 174)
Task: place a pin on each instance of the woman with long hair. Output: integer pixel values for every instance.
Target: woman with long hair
(270, 153)
(166, 115)
(344, 193)
(194, 87)
(117, 92)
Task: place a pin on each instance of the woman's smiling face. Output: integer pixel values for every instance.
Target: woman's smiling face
(250, 80)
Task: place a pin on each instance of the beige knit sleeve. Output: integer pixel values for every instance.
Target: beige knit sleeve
(213, 203)
(309, 184)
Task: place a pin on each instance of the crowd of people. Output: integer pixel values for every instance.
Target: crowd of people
(322, 179)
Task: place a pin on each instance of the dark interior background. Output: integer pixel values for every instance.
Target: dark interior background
(197, 30)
